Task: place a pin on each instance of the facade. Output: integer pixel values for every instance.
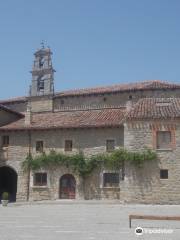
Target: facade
(133, 116)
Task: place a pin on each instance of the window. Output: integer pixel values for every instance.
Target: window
(41, 61)
(163, 174)
(40, 84)
(5, 141)
(40, 179)
(110, 145)
(111, 179)
(68, 145)
(39, 146)
(164, 140)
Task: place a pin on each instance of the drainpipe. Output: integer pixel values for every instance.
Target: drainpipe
(28, 121)
(28, 115)
(29, 170)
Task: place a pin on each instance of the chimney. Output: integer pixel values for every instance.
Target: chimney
(129, 105)
(28, 115)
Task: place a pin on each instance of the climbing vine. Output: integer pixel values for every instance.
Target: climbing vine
(85, 165)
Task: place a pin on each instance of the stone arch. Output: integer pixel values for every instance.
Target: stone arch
(67, 187)
(8, 182)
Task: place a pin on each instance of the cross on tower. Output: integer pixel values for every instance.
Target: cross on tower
(42, 44)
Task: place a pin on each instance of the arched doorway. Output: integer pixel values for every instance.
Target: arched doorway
(67, 187)
(8, 182)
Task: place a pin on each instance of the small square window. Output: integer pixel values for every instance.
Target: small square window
(111, 179)
(40, 179)
(110, 145)
(39, 146)
(164, 140)
(163, 174)
(68, 145)
(5, 141)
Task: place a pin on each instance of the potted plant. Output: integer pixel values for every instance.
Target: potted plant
(5, 199)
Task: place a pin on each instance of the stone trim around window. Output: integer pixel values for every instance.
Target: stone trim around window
(68, 145)
(109, 141)
(109, 171)
(173, 139)
(39, 147)
(164, 174)
(39, 186)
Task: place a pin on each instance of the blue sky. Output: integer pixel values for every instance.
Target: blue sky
(94, 42)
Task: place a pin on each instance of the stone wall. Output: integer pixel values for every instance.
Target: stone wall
(110, 99)
(13, 156)
(91, 141)
(43, 103)
(144, 185)
(139, 185)
(52, 190)
(94, 189)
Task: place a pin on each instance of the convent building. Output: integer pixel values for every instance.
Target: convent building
(133, 116)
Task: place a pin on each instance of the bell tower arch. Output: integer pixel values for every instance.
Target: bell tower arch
(42, 73)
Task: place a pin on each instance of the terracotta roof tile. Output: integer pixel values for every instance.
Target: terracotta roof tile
(146, 108)
(70, 119)
(145, 85)
(16, 99)
(11, 111)
(155, 108)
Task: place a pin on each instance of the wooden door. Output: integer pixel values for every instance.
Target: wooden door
(67, 187)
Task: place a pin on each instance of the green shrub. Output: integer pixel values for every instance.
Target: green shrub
(84, 165)
(5, 196)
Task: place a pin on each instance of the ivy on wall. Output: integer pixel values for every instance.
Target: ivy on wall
(85, 165)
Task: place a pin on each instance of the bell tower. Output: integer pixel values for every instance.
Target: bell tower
(42, 73)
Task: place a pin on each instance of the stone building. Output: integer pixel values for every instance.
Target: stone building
(95, 120)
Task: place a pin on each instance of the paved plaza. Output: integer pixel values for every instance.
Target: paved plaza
(86, 220)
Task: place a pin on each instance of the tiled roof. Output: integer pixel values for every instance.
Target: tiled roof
(10, 110)
(12, 100)
(70, 119)
(145, 85)
(155, 108)
(144, 109)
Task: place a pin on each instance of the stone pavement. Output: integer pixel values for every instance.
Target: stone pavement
(83, 220)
